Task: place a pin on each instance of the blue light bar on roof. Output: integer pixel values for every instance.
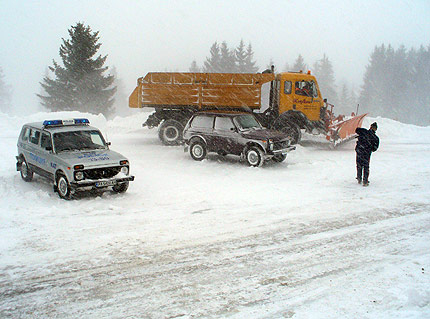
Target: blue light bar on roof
(82, 121)
(65, 122)
(52, 122)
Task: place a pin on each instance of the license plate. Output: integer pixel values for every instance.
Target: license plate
(105, 183)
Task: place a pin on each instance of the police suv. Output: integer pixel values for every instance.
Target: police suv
(73, 154)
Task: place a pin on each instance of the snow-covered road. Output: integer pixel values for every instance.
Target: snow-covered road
(219, 239)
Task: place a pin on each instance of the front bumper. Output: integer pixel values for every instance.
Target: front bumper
(98, 184)
(282, 151)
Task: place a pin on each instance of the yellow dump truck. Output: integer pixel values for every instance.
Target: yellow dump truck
(294, 102)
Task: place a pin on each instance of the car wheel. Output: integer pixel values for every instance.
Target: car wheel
(171, 132)
(26, 172)
(198, 150)
(120, 188)
(254, 156)
(280, 158)
(63, 187)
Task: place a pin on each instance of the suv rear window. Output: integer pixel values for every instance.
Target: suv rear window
(203, 121)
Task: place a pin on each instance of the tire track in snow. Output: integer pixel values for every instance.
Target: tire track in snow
(211, 280)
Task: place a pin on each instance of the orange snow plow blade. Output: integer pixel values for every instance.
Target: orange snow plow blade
(344, 130)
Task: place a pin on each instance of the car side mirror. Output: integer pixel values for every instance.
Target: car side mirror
(108, 143)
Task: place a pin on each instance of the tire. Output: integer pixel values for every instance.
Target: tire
(279, 158)
(26, 172)
(121, 188)
(293, 131)
(254, 156)
(63, 187)
(170, 132)
(198, 150)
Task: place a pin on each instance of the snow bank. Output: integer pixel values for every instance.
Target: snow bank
(391, 130)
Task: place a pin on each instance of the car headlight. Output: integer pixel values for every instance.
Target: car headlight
(270, 145)
(79, 176)
(124, 170)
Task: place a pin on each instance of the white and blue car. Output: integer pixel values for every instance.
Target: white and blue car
(73, 155)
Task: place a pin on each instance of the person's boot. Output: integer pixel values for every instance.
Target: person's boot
(365, 183)
(358, 180)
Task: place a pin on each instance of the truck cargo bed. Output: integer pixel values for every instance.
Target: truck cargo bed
(199, 90)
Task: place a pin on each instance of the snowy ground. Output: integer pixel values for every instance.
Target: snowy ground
(218, 239)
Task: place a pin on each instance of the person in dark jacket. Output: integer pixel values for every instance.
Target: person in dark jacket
(367, 143)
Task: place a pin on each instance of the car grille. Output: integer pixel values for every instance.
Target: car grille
(280, 145)
(99, 173)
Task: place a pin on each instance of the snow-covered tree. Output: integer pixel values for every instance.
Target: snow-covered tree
(80, 84)
(5, 94)
(240, 55)
(238, 60)
(227, 60)
(250, 64)
(212, 64)
(324, 73)
(299, 64)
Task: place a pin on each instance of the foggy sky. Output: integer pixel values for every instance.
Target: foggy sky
(144, 36)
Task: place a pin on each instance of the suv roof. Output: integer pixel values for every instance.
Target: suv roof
(61, 128)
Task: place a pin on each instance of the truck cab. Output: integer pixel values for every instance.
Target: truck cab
(300, 92)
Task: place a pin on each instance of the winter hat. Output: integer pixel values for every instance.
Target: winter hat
(374, 125)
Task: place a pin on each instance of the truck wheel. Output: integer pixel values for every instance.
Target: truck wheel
(26, 173)
(120, 188)
(293, 131)
(254, 156)
(279, 158)
(171, 132)
(198, 150)
(63, 187)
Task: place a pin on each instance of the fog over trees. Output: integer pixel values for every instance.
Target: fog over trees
(5, 94)
(223, 59)
(395, 85)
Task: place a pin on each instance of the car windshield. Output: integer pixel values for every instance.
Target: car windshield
(78, 140)
(246, 122)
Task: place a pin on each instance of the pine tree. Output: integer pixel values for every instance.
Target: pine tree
(372, 97)
(212, 64)
(241, 55)
(420, 86)
(5, 94)
(343, 99)
(194, 67)
(299, 64)
(324, 73)
(396, 84)
(80, 84)
(250, 64)
(227, 60)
